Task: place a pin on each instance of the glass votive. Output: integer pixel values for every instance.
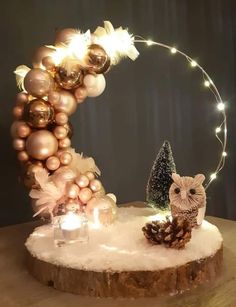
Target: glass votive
(74, 227)
(57, 232)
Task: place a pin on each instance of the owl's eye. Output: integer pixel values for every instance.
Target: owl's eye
(177, 190)
(192, 191)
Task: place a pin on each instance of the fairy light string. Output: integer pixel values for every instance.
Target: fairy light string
(220, 105)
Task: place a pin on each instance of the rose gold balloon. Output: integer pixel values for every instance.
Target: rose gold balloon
(80, 94)
(82, 181)
(19, 144)
(20, 129)
(64, 103)
(18, 111)
(60, 132)
(41, 144)
(64, 143)
(48, 63)
(41, 53)
(95, 185)
(64, 36)
(97, 59)
(85, 195)
(65, 158)
(61, 118)
(69, 79)
(90, 175)
(38, 113)
(21, 98)
(38, 82)
(52, 163)
(23, 156)
(72, 191)
(64, 173)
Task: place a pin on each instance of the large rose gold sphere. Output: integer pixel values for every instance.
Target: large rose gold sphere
(97, 59)
(41, 53)
(23, 156)
(64, 36)
(65, 158)
(38, 113)
(20, 129)
(41, 144)
(19, 144)
(85, 195)
(21, 98)
(52, 163)
(69, 79)
(60, 132)
(63, 101)
(95, 185)
(72, 191)
(61, 118)
(38, 82)
(64, 143)
(82, 181)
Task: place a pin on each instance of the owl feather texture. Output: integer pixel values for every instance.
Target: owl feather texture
(188, 198)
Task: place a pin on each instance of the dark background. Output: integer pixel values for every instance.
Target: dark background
(157, 97)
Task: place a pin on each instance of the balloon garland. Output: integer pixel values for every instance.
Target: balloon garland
(63, 75)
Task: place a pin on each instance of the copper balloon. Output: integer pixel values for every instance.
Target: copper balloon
(41, 144)
(95, 185)
(20, 129)
(85, 195)
(65, 158)
(64, 143)
(48, 63)
(64, 36)
(38, 113)
(97, 59)
(72, 191)
(18, 111)
(63, 101)
(21, 98)
(80, 94)
(82, 181)
(60, 132)
(38, 82)
(29, 178)
(19, 144)
(41, 53)
(90, 175)
(23, 156)
(69, 79)
(52, 163)
(61, 118)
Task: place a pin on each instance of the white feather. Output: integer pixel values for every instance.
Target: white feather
(20, 72)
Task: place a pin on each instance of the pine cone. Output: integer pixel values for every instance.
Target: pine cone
(175, 233)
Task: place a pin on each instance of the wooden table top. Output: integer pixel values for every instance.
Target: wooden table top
(18, 288)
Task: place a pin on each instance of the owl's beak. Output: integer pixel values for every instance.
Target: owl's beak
(183, 194)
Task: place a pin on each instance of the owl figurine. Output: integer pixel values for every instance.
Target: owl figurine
(188, 198)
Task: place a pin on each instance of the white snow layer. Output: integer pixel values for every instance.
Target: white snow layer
(122, 246)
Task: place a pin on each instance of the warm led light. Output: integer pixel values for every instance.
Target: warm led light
(173, 50)
(213, 176)
(220, 106)
(224, 153)
(218, 129)
(193, 63)
(149, 42)
(207, 83)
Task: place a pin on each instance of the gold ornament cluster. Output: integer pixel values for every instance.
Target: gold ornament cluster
(42, 132)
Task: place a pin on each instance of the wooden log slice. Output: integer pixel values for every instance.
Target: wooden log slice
(126, 284)
(119, 262)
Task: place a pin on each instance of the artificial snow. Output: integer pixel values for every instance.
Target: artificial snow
(122, 246)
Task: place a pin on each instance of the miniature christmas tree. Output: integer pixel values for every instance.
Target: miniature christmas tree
(157, 192)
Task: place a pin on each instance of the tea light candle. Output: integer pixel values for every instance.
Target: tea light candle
(70, 226)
